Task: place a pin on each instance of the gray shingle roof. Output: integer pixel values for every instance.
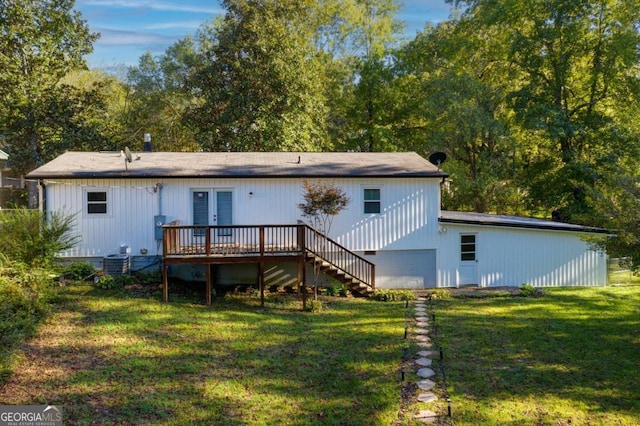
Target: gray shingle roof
(513, 222)
(236, 164)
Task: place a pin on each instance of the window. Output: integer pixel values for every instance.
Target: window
(468, 247)
(96, 202)
(372, 200)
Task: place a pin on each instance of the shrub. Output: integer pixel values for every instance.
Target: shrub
(108, 282)
(25, 293)
(30, 237)
(314, 306)
(527, 290)
(438, 293)
(393, 295)
(79, 271)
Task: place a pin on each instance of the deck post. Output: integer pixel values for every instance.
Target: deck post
(208, 290)
(261, 283)
(165, 281)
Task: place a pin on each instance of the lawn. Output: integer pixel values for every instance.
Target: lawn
(107, 357)
(571, 357)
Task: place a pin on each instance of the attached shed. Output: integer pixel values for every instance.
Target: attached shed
(494, 250)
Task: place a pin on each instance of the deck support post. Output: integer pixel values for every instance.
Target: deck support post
(208, 289)
(261, 283)
(165, 281)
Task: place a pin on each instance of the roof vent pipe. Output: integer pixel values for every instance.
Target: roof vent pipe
(147, 143)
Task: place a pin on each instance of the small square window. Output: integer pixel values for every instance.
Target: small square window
(372, 200)
(97, 202)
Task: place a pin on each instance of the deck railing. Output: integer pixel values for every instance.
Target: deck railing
(327, 250)
(230, 240)
(182, 241)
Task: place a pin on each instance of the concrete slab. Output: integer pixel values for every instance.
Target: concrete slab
(426, 354)
(422, 338)
(426, 384)
(425, 362)
(424, 344)
(425, 373)
(422, 331)
(427, 397)
(426, 416)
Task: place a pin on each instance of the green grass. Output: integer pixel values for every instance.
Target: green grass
(107, 358)
(570, 357)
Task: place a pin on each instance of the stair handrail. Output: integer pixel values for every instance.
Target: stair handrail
(365, 274)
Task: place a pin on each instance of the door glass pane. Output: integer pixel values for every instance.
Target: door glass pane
(224, 211)
(467, 247)
(200, 211)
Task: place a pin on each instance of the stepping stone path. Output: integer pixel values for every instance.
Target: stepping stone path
(424, 362)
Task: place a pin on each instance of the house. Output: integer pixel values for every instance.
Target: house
(230, 210)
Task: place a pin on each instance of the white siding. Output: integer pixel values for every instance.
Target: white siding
(408, 218)
(512, 257)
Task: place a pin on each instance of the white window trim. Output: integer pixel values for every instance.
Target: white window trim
(365, 187)
(108, 202)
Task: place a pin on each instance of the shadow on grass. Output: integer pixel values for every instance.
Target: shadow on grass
(577, 345)
(141, 361)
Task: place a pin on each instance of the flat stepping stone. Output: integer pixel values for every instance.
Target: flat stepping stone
(425, 353)
(426, 384)
(424, 344)
(425, 373)
(427, 397)
(425, 362)
(422, 331)
(426, 416)
(422, 338)
(422, 324)
(419, 309)
(421, 318)
(420, 304)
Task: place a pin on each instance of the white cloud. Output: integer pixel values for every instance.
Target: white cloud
(153, 5)
(111, 37)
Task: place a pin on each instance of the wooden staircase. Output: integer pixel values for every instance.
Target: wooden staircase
(336, 261)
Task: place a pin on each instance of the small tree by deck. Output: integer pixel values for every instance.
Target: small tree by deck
(322, 202)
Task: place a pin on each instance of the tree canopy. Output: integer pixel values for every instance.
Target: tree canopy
(534, 102)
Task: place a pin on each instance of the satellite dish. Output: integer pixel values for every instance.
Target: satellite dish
(127, 157)
(437, 158)
(127, 154)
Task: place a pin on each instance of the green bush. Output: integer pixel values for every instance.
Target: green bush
(79, 271)
(108, 282)
(25, 293)
(314, 306)
(383, 295)
(438, 293)
(527, 290)
(30, 237)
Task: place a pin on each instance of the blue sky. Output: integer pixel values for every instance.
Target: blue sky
(129, 28)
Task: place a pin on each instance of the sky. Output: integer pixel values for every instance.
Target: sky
(129, 28)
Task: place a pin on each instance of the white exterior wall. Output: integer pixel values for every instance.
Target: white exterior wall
(408, 218)
(515, 256)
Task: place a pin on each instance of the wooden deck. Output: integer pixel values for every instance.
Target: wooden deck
(298, 243)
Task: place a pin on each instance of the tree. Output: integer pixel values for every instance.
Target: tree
(577, 65)
(363, 33)
(322, 202)
(260, 84)
(158, 100)
(41, 41)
